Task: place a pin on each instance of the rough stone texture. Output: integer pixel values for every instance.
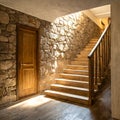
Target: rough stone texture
(63, 39)
(11, 27)
(4, 18)
(3, 39)
(8, 22)
(59, 42)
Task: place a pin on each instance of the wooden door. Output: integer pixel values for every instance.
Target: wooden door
(27, 75)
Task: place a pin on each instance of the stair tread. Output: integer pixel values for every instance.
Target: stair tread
(73, 83)
(69, 80)
(77, 70)
(71, 87)
(81, 61)
(68, 95)
(74, 75)
(79, 65)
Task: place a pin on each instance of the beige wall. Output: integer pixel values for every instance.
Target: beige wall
(115, 59)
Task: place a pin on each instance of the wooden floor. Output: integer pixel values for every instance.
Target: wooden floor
(49, 109)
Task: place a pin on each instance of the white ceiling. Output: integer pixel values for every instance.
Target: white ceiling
(102, 12)
(51, 9)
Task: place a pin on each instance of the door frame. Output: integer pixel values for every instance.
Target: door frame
(37, 56)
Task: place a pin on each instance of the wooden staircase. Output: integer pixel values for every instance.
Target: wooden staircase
(73, 84)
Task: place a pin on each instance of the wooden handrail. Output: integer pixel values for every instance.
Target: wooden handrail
(98, 42)
(99, 59)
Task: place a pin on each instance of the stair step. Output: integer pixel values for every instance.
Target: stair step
(74, 77)
(76, 83)
(77, 67)
(90, 45)
(92, 41)
(79, 63)
(82, 59)
(71, 71)
(84, 52)
(68, 97)
(70, 89)
(73, 84)
(82, 55)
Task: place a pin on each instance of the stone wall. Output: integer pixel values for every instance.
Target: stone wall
(8, 22)
(59, 42)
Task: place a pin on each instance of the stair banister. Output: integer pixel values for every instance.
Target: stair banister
(98, 42)
(98, 58)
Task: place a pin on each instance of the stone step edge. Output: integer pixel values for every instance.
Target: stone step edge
(76, 70)
(71, 80)
(78, 66)
(70, 87)
(76, 75)
(67, 95)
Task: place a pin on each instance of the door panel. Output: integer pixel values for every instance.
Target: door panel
(27, 76)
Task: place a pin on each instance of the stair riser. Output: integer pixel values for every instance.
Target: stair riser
(83, 85)
(77, 67)
(74, 77)
(81, 59)
(88, 48)
(90, 45)
(75, 72)
(84, 52)
(92, 42)
(75, 100)
(82, 56)
(79, 63)
(71, 91)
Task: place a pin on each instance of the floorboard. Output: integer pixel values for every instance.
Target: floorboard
(49, 109)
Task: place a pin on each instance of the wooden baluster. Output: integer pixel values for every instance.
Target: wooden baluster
(104, 52)
(106, 48)
(91, 79)
(99, 57)
(109, 44)
(95, 67)
(102, 57)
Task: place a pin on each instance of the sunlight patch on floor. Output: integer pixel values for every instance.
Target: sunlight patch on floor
(32, 102)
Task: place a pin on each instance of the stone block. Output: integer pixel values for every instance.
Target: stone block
(3, 39)
(4, 18)
(12, 39)
(23, 18)
(10, 82)
(3, 47)
(11, 27)
(3, 77)
(54, 36)
(7, 57)
(5, 65)
(12, 73)
(12, 48)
